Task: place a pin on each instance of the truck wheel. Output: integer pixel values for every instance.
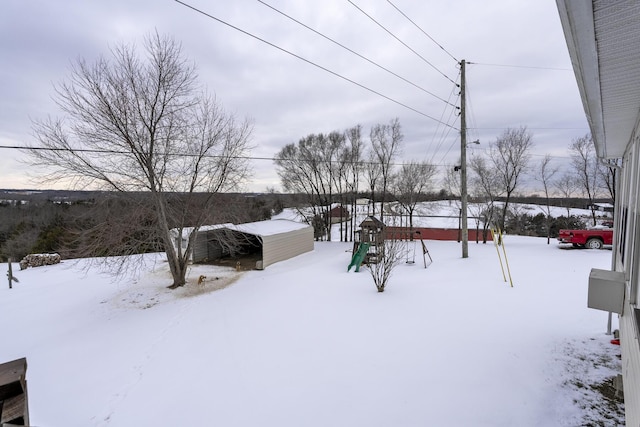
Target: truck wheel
(594, 243)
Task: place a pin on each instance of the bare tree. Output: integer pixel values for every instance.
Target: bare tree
(608, 175)
(545, 176)
(339, 165)
(566, 185)
(510, 157)
(141, 123)
(298, 169)
(385, 146)
(487, 186)
(390, 254)
(412, 181)
(310, 168)
(451, 182)
(585, 168)
(20, 243)
(352, 156)
(373, 176)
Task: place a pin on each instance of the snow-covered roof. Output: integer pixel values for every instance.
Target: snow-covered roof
(269, 227)
(187, 230)
(603, 205)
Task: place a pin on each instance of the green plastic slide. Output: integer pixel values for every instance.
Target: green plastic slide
(358, 257)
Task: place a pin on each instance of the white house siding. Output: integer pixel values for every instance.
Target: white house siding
(630, 367)
(600, 35)
(627, 260)
(282, 246)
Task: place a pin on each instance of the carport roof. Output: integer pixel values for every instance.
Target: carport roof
(268, 227)
(187, 230)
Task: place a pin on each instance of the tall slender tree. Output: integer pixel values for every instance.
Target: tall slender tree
(386, 143)
(608, 176)
(372, 174)
(545, 175)
(585, 168)
(566, 185)
(352, 156)
(487, 186)
(411, 183)
(510, 157)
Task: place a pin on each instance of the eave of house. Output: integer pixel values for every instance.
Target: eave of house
(603, 38)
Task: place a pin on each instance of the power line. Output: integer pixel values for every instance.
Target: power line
(111, 151)
(352, 51)
(441, 164)
(454, 143)
(307, 61)
(423, 31)
(445, 132)
(471, 118)
(531, 128)
(403, 43)
(107, 151)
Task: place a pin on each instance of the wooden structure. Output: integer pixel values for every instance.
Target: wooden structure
(372, 231)
(14, 408)
(338, 214)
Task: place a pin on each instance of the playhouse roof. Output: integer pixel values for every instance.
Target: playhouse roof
(372, 221)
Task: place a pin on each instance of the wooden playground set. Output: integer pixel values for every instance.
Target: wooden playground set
(369, 243)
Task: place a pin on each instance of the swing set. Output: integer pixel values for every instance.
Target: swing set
(410, 237)
(411, 252)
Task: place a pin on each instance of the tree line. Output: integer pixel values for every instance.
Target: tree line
(339, 166)
(497, 174)
(342, 165)
(110, 223)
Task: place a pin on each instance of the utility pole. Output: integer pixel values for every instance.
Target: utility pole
(463, 162)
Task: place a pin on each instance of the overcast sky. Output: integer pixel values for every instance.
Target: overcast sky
(520, 73)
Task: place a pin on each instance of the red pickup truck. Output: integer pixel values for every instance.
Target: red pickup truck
(594, 238)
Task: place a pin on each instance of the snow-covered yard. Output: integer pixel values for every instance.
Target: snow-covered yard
(305, 343)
